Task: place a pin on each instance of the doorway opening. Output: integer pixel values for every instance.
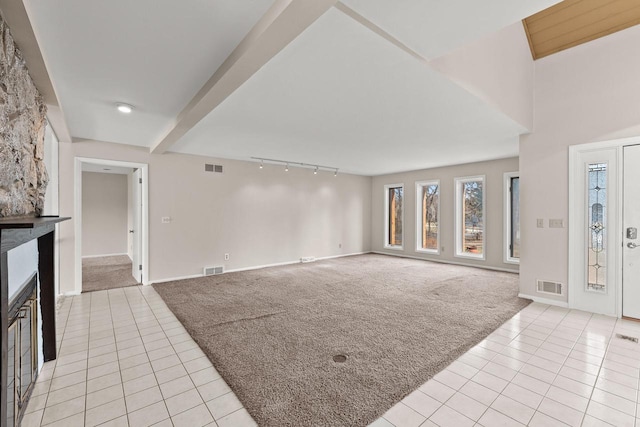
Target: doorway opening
(111, 224)
(604, 213)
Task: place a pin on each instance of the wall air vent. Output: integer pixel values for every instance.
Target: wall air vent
(212, 168)
(212, 271)
(547, 287)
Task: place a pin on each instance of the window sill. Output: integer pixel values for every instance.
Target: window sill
(428, 251)
(470, 256)
(395, 248)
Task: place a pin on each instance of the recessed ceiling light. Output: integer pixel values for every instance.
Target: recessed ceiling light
(124, 108)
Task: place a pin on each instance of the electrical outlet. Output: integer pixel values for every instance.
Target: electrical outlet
(442, 249)
(166, 219)
(540, 223)
(339, 245)
(226, 257)
(556, 223)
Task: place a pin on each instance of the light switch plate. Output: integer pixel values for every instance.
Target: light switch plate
(556, 223)
(540, 223)
(166, 219)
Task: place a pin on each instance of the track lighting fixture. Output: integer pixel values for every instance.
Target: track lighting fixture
(286, 164)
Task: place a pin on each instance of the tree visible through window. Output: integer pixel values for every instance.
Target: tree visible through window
(394, 202)
(430, 196)
(471, 216)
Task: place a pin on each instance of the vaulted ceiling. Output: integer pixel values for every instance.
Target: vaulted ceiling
(366, 86)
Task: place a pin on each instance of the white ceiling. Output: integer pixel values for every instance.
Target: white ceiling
(152, 54)
(435, 27)
(339, 95)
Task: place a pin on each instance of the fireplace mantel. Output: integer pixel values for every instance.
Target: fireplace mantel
(13, 233)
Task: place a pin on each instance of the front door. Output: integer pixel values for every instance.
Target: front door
(631, 242)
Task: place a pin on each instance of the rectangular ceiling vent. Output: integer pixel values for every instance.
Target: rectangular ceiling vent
(547, 287)
(213, 168)
(212, 271)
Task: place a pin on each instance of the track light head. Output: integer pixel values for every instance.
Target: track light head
(286, 168)
(315, 172)
(261, 164)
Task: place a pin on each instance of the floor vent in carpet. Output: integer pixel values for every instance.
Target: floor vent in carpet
(628, 338)
(339, 358)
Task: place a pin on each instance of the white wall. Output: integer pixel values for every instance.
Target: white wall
(498, 69)
(257, 216)
(584, 94)
(51, 162)
(104, 214)
(494, 229)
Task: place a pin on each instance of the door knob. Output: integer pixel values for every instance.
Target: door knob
(130, 231)
(632, 245)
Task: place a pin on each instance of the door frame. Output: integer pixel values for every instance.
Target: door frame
(576, 257)
(144, 249)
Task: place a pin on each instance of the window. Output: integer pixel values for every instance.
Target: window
(512, 217)
(470, 225)
(394, 195)
(597, 227)
(428, 215)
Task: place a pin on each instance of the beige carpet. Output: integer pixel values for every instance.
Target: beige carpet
(108, 272)
(272, 333)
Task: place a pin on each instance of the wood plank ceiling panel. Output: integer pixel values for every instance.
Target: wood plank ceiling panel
(573, 22)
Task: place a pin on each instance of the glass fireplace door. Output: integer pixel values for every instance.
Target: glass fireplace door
(22, 363)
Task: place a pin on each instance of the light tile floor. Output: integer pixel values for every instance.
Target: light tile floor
(125, 360)
(547, 366)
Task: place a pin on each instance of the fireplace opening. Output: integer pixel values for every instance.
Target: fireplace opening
(22, 346)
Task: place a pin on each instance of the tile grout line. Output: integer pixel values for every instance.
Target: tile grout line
(518, 370)
(171, 344)
(147, 353)
(470, 380)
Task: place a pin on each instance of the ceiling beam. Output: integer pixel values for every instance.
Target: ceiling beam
(17, 17)
(379, 31)
(282, 23)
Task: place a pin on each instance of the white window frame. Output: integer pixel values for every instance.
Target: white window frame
(459, 181)
(386, 216)
(508, 176)
(419, 186)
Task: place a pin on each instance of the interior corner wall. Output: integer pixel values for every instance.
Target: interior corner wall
(104, 214)
(259, 217)
(494, 192)
(585, 94)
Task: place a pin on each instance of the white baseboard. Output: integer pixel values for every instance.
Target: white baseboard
(279, 264)
(547, 301)
(103, 255)
(71, 293)
(442, 261)
(173, 279)
(255, 267)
